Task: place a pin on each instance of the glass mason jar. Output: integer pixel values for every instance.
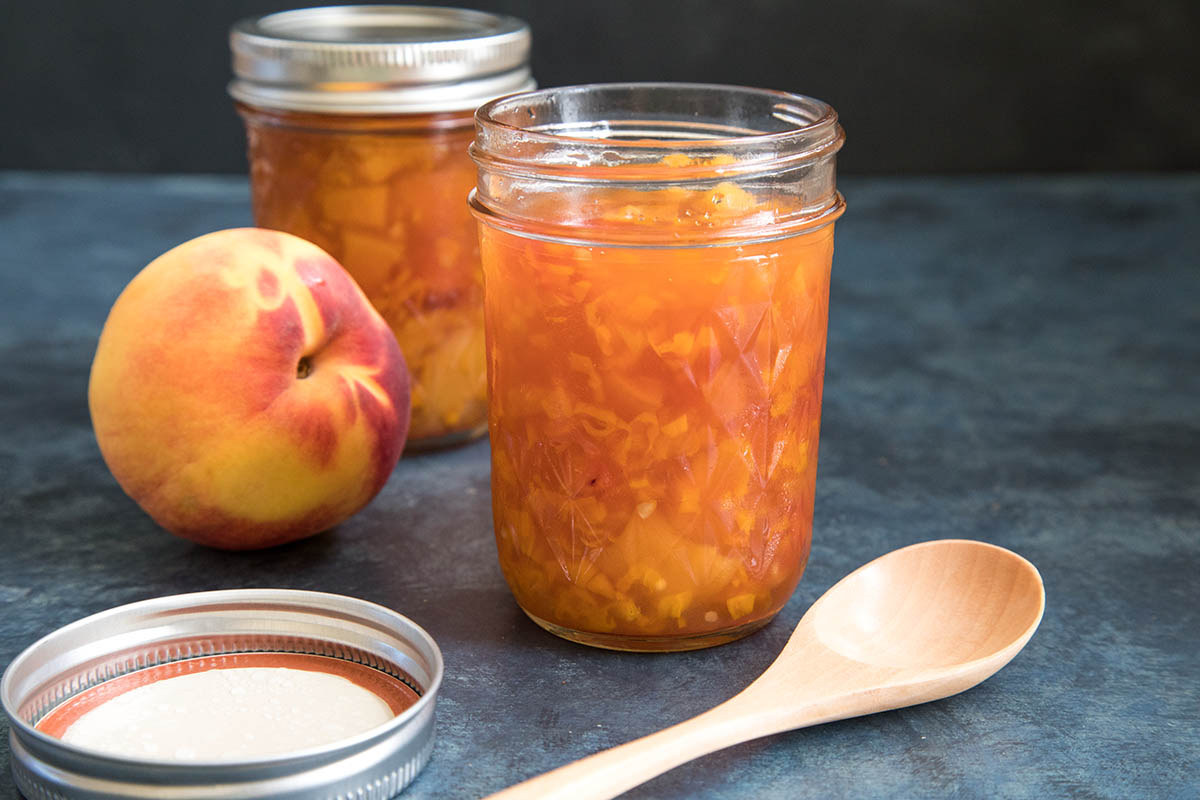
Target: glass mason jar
(358, 120)
(656, 265)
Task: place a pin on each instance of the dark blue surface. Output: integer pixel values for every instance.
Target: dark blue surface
(1015, 360)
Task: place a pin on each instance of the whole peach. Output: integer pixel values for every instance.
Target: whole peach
(245, 392)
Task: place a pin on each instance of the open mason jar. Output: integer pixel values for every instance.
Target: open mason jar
(656, 264)
(358, 120)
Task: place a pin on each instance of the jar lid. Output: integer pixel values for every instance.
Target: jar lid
(378, 59)
(114, 646)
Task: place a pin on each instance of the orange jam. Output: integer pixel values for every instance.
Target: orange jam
(386, 196)
(654, 416)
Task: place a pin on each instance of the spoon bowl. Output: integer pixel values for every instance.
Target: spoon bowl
(918, 624)
(937, 604)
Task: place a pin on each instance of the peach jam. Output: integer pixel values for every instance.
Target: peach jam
(358, 120)
(656, 265)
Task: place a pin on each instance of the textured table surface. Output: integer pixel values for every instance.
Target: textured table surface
(1015, 360)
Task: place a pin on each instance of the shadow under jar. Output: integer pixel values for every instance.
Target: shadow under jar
(358, 120)
(656, 266)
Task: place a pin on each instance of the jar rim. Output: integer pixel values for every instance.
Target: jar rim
(486, 114)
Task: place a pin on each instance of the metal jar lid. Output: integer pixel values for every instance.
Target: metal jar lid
(378, 59)
(378, 763)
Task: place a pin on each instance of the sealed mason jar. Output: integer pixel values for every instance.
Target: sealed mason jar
(358, 120)
(656, 264)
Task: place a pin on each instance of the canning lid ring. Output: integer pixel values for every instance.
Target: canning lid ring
(382, 98)
(86, 653)
(378, 59)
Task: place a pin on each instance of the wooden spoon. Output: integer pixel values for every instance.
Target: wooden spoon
(918, 624)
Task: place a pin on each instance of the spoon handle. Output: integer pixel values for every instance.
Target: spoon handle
(610, 772)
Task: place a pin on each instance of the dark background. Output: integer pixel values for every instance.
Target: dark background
(943, 86)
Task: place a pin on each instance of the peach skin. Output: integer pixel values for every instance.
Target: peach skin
(245, 393)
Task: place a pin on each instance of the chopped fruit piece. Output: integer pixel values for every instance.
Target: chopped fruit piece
(740, 605)
(676, 426)
(674, 605)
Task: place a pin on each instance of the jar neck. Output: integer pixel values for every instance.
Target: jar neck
(664, 164)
